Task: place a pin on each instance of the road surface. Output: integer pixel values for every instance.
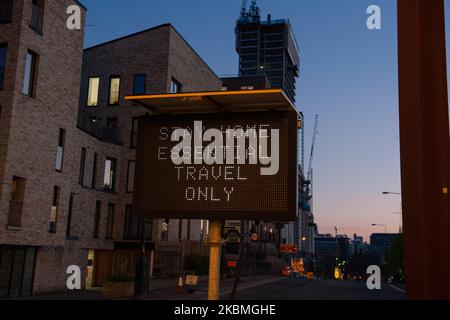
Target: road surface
(301, 289)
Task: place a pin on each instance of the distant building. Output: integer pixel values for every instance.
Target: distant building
(267, 48)
(344, 247)
(325, 245)
(358, 244)
(304, 227)
(380, 242)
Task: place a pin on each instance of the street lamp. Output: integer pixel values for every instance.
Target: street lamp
(385, 237)
(400, 222)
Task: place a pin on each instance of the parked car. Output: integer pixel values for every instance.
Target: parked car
(286, 271)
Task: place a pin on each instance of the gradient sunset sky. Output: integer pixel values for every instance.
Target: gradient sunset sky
(348, 75)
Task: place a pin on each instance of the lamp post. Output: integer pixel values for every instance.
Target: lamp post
(399, 213)
(385, 237)
(400, 229)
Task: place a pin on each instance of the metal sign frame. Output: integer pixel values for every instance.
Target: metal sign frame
(140, 196)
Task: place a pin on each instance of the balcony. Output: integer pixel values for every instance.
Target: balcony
(105, 134)
(37, 17)
(15, 214)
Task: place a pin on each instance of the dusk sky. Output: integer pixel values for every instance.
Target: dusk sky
(348, 75)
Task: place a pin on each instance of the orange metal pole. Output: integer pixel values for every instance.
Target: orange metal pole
(425, 148)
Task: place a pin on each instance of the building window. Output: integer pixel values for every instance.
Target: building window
(3, 55)
(139, 84)
(175, 86)
(134, 226)
(60, 150)
(98, 209)
(114, 91)
(82, 166)
(188, 232)
(112, 123)
(16, 203)
(94, 172)
(69, 218)
(165, 230)
(93, 90)
(180, 229)
(30, 74)
(134, 132)
(110, 174)
(130, 176)
(37, 15)
(54, 211)
(110, 221)
(6, 11)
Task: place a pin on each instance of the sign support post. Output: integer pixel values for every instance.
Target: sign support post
(215, 242)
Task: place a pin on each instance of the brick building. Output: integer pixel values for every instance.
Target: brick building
(41, 68)
(157, 60)
(67, 150)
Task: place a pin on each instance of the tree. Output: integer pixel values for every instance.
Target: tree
(395, 263)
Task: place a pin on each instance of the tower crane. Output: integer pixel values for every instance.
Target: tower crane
(307, 192)
(311, 156)
(254, 10)
(243, 8)
(253, 13)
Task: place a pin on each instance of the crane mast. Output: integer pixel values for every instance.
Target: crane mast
(311, 156)
(243, 8)
(253, 12)
(254, 9)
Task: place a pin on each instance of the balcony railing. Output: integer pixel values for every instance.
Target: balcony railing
(105, 134)
(15, 214)
(37, 17)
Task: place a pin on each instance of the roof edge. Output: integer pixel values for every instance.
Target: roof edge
(81, 5)
(128, 36)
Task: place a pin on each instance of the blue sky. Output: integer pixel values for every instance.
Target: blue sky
(348, 77)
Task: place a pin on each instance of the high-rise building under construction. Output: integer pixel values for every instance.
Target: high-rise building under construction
(267, 48)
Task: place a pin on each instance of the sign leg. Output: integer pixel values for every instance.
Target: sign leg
(215, 242)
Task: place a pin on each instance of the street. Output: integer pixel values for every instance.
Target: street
(301, 289)
(260, 288)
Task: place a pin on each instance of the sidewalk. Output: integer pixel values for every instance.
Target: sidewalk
(226, 287)
(85, 295)
(201, 292)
